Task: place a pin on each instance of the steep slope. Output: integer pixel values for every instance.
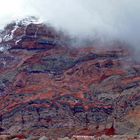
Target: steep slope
(49, 88)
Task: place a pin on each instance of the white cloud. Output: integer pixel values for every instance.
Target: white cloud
(115, 18)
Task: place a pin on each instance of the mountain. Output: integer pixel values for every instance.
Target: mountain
(48, 87)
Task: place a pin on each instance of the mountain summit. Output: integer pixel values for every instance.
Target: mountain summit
(48, 87)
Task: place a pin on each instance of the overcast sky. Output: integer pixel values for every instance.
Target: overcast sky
(115, 18)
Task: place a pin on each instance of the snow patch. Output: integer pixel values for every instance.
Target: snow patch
(4, 48)
(28, 20)
(11, 35)
(16, 43)
(23, 22)
(0, 39)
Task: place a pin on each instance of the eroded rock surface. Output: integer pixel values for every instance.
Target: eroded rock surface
(49, 88)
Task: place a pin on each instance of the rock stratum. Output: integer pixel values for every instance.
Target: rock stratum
(49, 88)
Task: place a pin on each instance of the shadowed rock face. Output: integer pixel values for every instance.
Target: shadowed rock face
(48, 88)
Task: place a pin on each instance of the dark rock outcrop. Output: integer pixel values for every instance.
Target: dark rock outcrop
(48, 88)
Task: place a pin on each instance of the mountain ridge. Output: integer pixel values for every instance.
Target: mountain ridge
(49, 88)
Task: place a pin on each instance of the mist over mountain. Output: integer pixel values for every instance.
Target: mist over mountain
(108, 19)
(69, 69)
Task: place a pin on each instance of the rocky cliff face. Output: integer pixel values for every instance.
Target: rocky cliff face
(49, 88)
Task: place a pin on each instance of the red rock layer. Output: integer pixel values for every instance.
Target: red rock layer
(49, 88)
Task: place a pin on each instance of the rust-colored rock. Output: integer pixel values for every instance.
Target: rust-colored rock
(48, 88)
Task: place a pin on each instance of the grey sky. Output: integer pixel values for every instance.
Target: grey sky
(114, 18)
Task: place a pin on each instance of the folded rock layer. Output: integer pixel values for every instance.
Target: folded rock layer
(49, 88)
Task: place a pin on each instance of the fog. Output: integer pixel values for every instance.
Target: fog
(109, 19)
